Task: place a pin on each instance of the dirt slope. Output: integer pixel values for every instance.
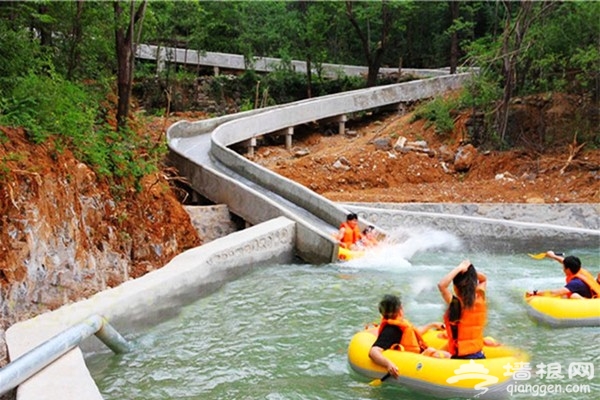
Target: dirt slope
(352, 168)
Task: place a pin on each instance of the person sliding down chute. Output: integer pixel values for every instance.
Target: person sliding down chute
(349, 232)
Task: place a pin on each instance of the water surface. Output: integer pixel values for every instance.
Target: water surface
(281, 332)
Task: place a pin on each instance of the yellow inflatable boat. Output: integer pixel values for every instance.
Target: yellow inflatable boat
(347, 254)
(559, 312)
(445, 378)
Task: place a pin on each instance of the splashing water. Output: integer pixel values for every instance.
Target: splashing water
(402, 244)
(419, 239)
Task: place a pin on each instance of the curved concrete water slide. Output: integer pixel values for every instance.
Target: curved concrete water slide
(228, 61)
(201, 151)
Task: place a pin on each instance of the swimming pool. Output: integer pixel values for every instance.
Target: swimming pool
(282, 331)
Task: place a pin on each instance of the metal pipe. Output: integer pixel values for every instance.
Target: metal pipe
(21, 369)
(112, 339)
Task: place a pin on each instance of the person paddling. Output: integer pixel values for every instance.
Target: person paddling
(580, 283)
(396, 332)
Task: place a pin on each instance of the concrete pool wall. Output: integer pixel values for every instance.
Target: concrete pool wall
(140, 303)
(505, 228)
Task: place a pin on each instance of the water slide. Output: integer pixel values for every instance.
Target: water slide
(202, 153)
(246, 198)
(228, 61)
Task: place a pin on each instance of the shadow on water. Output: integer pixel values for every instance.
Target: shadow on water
(282, 331)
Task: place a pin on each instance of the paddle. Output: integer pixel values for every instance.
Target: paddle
(377, 382)
(540, 256)
(537, 256)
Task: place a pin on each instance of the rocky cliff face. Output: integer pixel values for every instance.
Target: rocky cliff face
(64, 236)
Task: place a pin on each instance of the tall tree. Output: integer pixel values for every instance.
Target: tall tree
(312, 29)
(76, 37)
(513, 44)
(125, 47)
(372, 51)
(454, 15)
(303, 6)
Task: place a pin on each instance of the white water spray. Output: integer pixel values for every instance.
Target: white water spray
(402, 244)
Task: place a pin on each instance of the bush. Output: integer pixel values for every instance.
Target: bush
(437, 112)
(481, 92)
(47, 105)
(120, 156)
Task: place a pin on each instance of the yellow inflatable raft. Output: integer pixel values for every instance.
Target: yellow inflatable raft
(347, 254)
(559, 312)
(445, 378)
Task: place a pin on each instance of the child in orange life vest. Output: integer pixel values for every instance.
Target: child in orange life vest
(580, 282)
(349, 232)
(367, 240)
(466, 315)
(395, 331)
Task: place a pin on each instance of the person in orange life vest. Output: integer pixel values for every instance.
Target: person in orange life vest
(398, 333)
(580, 283)
(466, 315)
(349, 232)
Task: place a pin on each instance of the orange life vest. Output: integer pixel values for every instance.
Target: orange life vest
(469, 327)
(351, 235)
(587, 278)
(411, 339)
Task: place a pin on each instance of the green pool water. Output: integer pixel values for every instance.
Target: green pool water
(282, 331)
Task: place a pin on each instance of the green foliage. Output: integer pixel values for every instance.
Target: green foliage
(18, 55)
(341, 84)
(122, 156)
(47, 105)
(586, 61)
(285, 86)
(563, 50)
(247, 105)
(47, 49)
(220, 25)
(437, 112)
(481, 92)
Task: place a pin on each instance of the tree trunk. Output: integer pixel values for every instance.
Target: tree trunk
(512, 43)
(373, 59)
(75, 41)
(45, 29)
(308, 77)
(303, 6)
(125, 58)
(512, 46)
(454, 14)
